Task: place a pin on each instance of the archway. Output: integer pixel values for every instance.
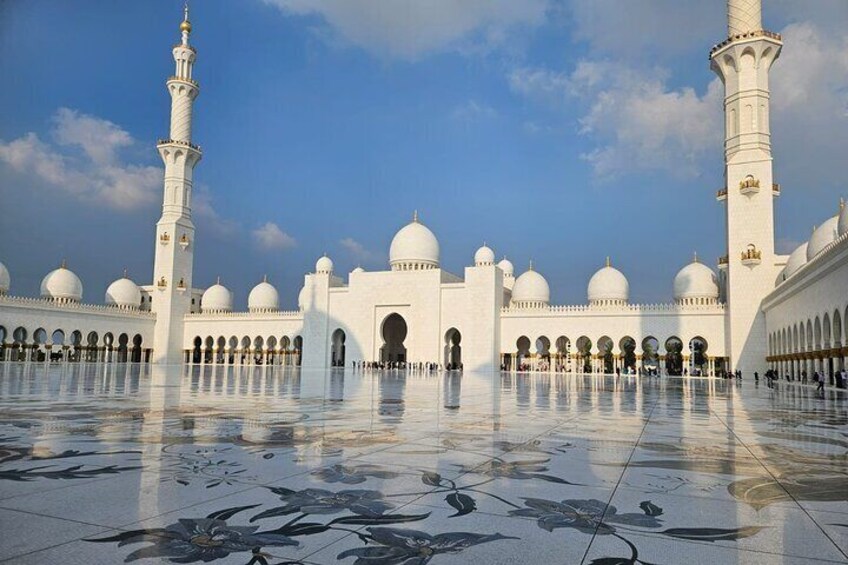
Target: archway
(137, 352)
(674, 356)
(453, 351)
(584, 353)
(39, 339)
(697, 356)
(628, 354)
(605, 346)
(124, 339)
(2, 343)
(337, 358)
(394, 331)
(650, 355)
(76, 342)
(523, 346)
(91, 346)
(19, 339)
(563, 353)
(297, 344)
(543, 353)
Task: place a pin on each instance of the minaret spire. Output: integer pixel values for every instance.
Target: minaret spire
(743, 62)
(175, 262)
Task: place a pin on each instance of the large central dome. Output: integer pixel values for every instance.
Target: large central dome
(414, 248)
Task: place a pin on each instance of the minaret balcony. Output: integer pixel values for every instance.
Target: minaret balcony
(183, 79)
(721, 194)
(164, 239)
(752, 256)
(162, 284)
(749, 185)
(178, 142)
(723, 261)
(745, 36)
(184, 241)
(775, 189)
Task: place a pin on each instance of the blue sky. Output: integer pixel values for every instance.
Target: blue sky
(558, 131)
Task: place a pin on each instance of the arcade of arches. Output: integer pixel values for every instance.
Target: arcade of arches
(815, 345)
(76, 346)
(671, 357)
(245, 351)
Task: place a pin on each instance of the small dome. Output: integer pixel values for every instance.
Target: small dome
(822, 236)
(217, 298)
(531, 289)
(797, 259)
(301, 299)
(414, 247)
(123, 293)
(484, 256)
(62, 285)
(324, 265)
(5, 279)
(608, 284)
(507, 268)
(695, 280)
(842, 226)
(263, 298)
(358, 270)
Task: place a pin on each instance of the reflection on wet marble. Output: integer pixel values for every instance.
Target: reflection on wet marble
(109, 464)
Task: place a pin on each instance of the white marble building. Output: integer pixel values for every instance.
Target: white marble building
(761, 310)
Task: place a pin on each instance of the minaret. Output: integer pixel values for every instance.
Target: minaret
(172, 268)
(743, 61)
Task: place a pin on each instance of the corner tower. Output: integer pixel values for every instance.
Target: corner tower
(172, 269)
(743, 61)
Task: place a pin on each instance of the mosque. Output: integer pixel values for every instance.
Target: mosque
(759, 310)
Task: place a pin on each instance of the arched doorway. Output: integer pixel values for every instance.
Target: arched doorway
(584, 351)
(628, 355)
(523, 346)
(650, 355)
(563, 353)
(698, 356)
(338, 348)
(453, 351)
(605, 347)
(394, 332)
(297, 344)
(674, 356)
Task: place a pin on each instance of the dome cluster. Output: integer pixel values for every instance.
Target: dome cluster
(832, 229)
(124, 293)
(608, 287)
(696, 284)
(414, 248)
(531, 290)
(61, 285)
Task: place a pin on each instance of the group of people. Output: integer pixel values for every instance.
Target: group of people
(414, 367)
(839, 378)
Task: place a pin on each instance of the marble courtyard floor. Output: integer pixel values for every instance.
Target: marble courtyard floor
(104, 465)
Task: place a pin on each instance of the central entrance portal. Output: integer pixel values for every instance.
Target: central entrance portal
(394, 332)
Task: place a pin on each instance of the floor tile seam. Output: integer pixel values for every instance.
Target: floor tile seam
(789, 494)
(620, 477)
(48, 548)
(657, 535)
(52, 517)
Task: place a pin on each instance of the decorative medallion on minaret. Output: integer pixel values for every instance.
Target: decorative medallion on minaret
(175, 230)
(743, 61)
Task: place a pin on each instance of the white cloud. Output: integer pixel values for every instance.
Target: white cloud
(634, 119)
(98, 177)
(98, 138)
(359, 252)
(270, 237)
(472, 111)
(409, 29)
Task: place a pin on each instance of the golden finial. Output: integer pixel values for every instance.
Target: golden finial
(218, 280)
(125, 273)
(64, 264)
(841, 203)
(185, 25)
(265, 278)
(531, 265)
(695, 257)
(609, 263)
(415, 216)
